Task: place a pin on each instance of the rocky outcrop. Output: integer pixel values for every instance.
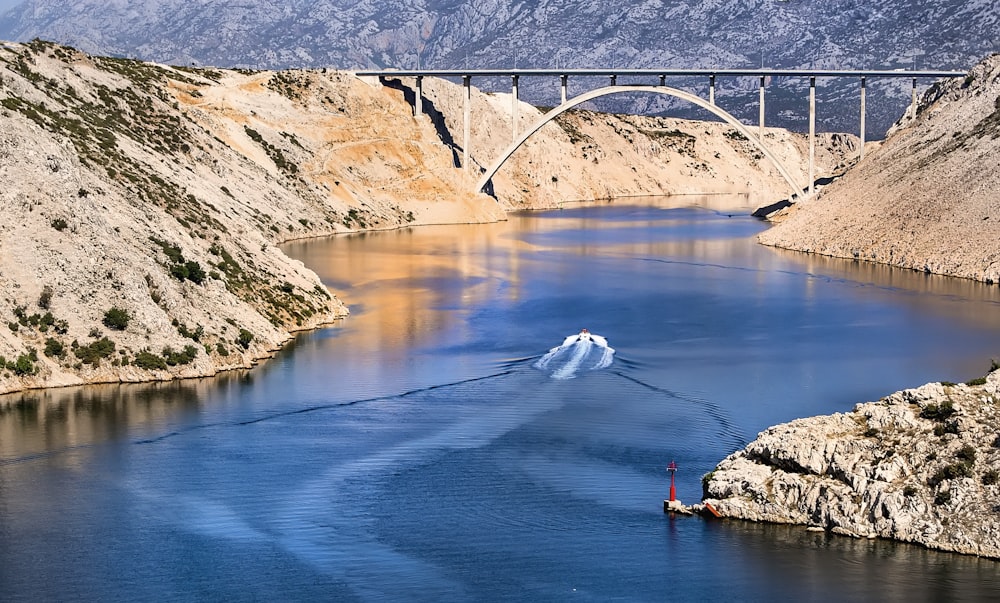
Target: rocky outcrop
(927, 199)
(144, 204)
(918, 466)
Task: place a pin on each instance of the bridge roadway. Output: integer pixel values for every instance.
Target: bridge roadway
(661, 74)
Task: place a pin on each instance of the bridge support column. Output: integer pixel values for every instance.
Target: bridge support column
(418, 102)
(762, 107)
(862, 134)
(467, 111)
(513, 107)
(663, 80)
(812, 135)
(711, 89)
(563, 84)
(614, 79)
(913, 100)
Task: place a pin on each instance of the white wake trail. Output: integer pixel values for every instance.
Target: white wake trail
(582, 352)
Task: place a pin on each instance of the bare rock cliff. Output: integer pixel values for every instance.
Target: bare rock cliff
(918, 466)
(927, 199)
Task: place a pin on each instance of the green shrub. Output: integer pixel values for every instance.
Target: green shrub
(195, 335)
(195, 273)
(93, 353)
(938, 413)
(221, 349)
(54, 347)
(149, 361)
(942, 498)
(966, 453)
(178, 267)
(976, 381)
(45, 299)
(59, 224)
(952, 471)
(116, 318)
(910, 490)
(948, 427)
(990, 477)
(23, 366)
(185, 356)
(244, 338)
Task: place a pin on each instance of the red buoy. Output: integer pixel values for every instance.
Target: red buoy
(672, 468)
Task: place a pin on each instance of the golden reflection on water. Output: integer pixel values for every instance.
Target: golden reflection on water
(405, 286)
(394, 281)
(41, 421)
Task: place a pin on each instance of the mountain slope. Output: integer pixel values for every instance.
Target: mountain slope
(546, 33)
(927, 199)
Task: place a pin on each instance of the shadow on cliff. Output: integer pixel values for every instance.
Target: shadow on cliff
(429, 109)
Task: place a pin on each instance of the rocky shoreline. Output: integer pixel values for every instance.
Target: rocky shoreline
(919, 466)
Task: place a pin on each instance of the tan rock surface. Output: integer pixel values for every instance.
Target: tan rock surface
(918, 466)
(927, 199)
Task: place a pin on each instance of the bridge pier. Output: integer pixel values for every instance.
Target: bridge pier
(513, 107)
(862, 133)
(467, 74)
(762, 107)
(812, 135)
(467, 112)
(418, 102)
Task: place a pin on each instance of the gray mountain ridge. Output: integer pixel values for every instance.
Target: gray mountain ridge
(845, 34)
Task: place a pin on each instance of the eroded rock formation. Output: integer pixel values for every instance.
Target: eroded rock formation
(920, 466)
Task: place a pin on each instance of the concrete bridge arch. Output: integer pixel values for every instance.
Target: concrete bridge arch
(484, 180)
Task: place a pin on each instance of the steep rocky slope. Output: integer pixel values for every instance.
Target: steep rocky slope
(142, 204)
(927, 199)
(918, 466)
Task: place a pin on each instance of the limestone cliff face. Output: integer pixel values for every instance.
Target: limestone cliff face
(918, 466)
(142, 204)
(927, 199)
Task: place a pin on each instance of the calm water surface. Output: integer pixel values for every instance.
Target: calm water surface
(413, 451)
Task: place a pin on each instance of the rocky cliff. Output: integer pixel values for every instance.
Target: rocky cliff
(918, 466)
(927, 199)
(143, 204)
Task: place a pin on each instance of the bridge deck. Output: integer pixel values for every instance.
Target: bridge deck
(857, 73)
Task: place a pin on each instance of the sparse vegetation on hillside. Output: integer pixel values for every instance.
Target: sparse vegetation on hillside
(116, 318)
(276, 154)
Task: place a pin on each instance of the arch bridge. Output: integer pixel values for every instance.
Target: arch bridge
(659, 88)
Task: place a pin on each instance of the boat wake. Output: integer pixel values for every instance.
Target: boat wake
(578, 353)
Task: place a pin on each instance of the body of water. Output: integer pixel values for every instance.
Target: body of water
(431, 448)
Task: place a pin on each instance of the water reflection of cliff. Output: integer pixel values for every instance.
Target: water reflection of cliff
(800, 561)
(925, 293)
(54, 420)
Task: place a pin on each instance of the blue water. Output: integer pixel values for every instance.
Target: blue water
(414, 451)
